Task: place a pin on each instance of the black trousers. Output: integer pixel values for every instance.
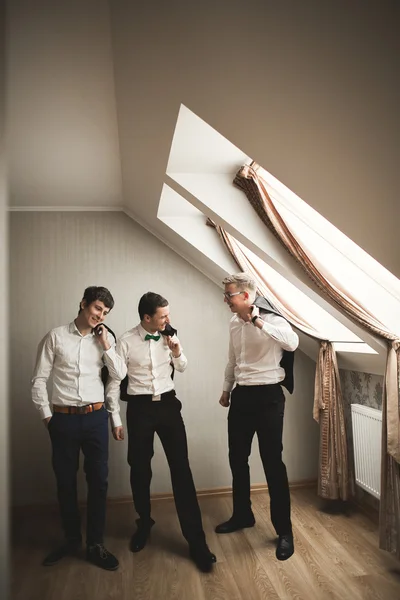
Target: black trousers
(259, 409)
(69, 434)
(145, 418)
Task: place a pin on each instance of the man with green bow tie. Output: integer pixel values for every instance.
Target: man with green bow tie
(151, 337)
(153, 408)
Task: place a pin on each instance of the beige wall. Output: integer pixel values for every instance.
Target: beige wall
(308, 89)
(53, 257)
(63, 146)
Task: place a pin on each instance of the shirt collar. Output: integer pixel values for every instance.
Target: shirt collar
(240, 320)
(142, 332)
(72, 328)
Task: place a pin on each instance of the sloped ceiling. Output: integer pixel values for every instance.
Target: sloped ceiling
(309, 89)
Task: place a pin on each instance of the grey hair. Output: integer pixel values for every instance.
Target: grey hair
(243, 281)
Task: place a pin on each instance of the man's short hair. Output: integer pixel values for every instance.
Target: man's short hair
(243, 281)
(95, 292)
(149, 303)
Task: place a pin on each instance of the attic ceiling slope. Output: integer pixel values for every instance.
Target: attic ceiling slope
(307, 93)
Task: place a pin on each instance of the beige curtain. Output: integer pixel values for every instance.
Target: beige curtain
(333, 476)
(334, 471)
(256, 191)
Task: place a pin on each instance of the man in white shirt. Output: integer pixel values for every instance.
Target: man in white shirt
(257, 404)
(73, 355)
(154, 408)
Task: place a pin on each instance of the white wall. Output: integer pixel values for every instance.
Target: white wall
(53, 257)
(62, 124)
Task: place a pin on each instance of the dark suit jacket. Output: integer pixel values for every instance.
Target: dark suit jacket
(104, 370)
(287, 360)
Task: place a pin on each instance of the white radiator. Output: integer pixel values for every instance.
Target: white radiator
(367, 429)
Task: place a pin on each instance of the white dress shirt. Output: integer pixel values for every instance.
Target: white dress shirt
(74, 361)
(255, 354)
(148, 363)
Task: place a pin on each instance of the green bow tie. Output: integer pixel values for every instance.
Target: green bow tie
(152, 337)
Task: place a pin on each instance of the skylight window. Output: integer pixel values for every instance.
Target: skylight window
(359, 274)
(188, 222)
(323, 322)
(201, 168)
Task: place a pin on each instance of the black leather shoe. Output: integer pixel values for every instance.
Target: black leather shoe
(285, 547)
(234, 525)
(69, 548)
(101, 557)
(141, 535)
(203, 558)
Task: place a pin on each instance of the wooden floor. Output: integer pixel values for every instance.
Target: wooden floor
(336, 557)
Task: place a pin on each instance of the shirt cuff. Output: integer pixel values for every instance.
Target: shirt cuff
(179, 361)
(45, 412)
(116, 420)
(227, 386)
(110, 351)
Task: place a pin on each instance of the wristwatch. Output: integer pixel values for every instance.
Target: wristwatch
(253, 320)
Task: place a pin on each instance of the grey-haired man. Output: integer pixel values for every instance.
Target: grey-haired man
(257, 403)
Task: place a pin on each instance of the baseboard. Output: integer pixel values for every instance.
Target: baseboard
(257, 488)
(369, 511)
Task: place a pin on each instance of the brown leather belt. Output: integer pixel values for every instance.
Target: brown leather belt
(78, 410)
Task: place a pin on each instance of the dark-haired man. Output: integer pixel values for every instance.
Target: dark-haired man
(154, 408)
(74, 355)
